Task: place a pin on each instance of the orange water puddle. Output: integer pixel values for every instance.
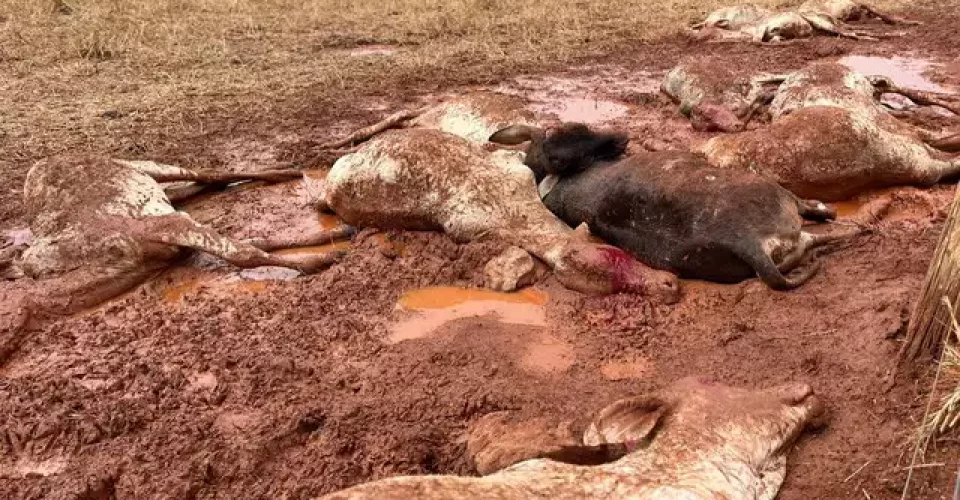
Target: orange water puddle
(174, 293)
(539, 353)
(437, 306)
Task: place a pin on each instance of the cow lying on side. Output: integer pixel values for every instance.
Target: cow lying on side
(473, 117)
(693, 440)
(424, 179)
(671, 209)
(103, 226)
(849, 10)
(779, 27)
(714, 97)
(831, 140)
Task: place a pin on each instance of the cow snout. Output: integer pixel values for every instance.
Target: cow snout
(663, 287)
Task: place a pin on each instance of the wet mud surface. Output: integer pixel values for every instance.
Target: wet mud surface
(209, 382)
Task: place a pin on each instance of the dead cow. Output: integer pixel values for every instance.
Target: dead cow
(831, 140)
(733, 18)
(103, 226)
(834, 84)
(849, 10)
(694, 439)
(714, 96)
(473, 117)
(779, 27)
(424, 179)
(671, 209)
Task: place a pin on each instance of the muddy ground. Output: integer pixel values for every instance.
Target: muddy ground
(214, 383)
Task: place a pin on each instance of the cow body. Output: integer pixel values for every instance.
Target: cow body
(424, 179)
(694, 440)
(830, 139)
(714, 96)
(849, 10)
(672, 210)
(102, 226)
(757, 26)
(475, 116)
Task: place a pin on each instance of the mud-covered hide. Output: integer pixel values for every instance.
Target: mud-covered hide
(693, 440)
(475, 116)
(102, 226)
(848, 10)
(715, 96)
(826, 84)
(424, 179)
(773, 27)
(734, 17)
(832, 153)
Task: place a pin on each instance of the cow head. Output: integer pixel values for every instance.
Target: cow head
(565, 150)
(722, 423)
(603, 269)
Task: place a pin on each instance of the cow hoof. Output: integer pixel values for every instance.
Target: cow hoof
(512, 269)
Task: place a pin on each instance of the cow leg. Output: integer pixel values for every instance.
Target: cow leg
(304, 240)
(815, 210)
(360, 135)
(921, 97)
(169, 173)
(84, 288)
(180, 230)
(754, 255)
(950, 143)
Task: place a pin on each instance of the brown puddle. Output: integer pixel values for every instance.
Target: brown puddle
(437, 306)
(904, 71)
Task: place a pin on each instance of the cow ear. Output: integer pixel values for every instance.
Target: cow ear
(631, 421)
(582, 232)
(513, 135)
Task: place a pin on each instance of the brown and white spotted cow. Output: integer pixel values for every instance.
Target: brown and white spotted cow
(849, 10)
(830, 138)
(425, 179)
(693, 440)
(756, 26)
(102, 226)
(715, 96)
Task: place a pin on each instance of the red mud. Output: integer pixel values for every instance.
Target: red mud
(277, 388)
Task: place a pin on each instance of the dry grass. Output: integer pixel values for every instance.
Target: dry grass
(88, 77)
(946, 416)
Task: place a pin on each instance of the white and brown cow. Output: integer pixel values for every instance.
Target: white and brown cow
(830, 138)
(102, 226)
(693, 440)
(715, 96)
(425, 179)
(849, 10)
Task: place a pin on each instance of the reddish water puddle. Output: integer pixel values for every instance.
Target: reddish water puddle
(904, 71)
(582, 110)
(437, 306)
(622, 370)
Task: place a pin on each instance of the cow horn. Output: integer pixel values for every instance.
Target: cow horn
(515, 134)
